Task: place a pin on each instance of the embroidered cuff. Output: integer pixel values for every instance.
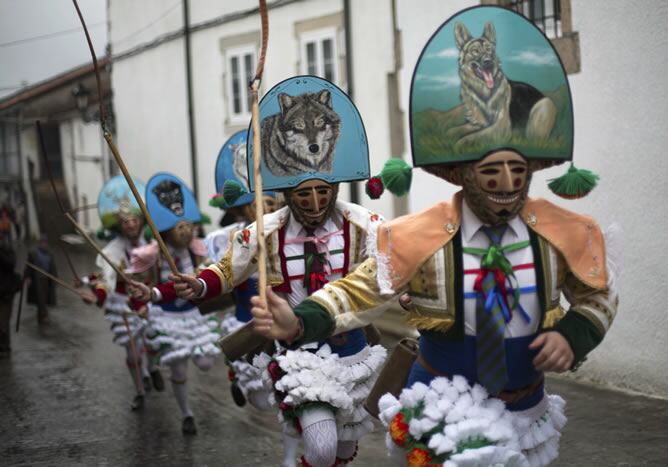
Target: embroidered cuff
(581, 335)
(316, 321)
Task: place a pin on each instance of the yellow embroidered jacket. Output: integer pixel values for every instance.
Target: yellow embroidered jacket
(421, 254)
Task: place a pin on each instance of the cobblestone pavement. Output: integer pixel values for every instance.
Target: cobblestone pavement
(65, 393)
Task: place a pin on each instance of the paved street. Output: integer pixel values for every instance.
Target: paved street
(65, 393)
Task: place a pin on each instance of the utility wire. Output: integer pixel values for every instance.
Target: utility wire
(47, 36)
(148, 25)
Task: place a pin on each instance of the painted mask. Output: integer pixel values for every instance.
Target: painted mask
(496, 187)
(312, 202)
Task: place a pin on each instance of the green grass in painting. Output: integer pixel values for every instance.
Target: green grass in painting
(430, 127)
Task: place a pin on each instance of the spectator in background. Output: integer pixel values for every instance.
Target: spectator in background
(5, 225)
(42, 291)
(10, 283)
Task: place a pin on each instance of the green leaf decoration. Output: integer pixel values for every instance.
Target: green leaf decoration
(232, 191)
(575, 183)
(217, 201)
(397, 176)
(204, 219)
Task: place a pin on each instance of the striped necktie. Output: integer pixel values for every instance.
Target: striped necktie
(490, 327)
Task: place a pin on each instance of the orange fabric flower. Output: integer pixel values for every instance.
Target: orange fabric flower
(417, 457)
(398, 429)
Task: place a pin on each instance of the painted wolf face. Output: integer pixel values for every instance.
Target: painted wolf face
(239, 163)
(309, 128)
(479, 65)
(170, 195)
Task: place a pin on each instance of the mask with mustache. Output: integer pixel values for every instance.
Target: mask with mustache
(496, 187)
(312, 202)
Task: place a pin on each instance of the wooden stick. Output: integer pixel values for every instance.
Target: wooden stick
(259, 201)
(135, 354)
(23, 286)
(57, 280)
(257, 154)
(119, 160)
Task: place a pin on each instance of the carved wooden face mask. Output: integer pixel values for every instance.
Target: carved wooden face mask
(497, 186)
(312, 201)
(181, 235)
(131, 226)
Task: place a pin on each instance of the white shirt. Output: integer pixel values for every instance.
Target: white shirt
(517, 231)
(296, 267)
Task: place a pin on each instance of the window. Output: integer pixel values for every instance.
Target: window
(240, 71)
(553, 17)
(319, 55)
(546, 14)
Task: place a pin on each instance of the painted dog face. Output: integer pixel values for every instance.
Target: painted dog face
(170, 196)
(309, 128)
(478, 61)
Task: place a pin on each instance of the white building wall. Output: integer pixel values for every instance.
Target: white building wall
(30, 153)
(83, 157)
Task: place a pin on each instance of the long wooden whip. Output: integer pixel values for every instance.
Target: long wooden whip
(257, 154)
(117, 156)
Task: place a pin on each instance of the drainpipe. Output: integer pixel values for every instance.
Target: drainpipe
(354, 187)
(189, 90)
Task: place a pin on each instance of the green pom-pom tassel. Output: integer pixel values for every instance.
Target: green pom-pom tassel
(148, 233)
(397, 176)
(232, 191)
(204, 219)
(217, 201)
(574, 184)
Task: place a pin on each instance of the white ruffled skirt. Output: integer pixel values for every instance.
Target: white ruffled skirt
(448, 413)
(115, 306)
(178, 335)
(304, 377)
(248, 377)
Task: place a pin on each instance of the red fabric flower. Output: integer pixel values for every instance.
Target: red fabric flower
(274, 370)
(284, 407)
(374, 187)
(399, 430)
(231, 375)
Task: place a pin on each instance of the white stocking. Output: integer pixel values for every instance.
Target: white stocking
(346, 449)
(290, 445)
(203, 362)
(259, 399)
(179, 371)
(131, 364)
(320, 436)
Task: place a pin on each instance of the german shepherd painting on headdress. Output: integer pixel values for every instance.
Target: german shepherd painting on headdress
(496, 106)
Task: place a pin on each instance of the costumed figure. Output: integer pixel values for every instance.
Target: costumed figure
(485, 271)
(312, 139)
(231, 173)
(176, 329)
(120, 215)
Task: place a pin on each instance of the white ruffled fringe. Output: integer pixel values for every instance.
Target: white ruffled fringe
(229, 324)
(323, 376)
(539, 430)
(186, 334)
(115, 306)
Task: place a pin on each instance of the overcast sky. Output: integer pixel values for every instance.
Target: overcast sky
(26, 57)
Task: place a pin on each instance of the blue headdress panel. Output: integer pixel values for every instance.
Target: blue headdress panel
(232, 167)
(169, 201)
(116, 198)
(310, 130)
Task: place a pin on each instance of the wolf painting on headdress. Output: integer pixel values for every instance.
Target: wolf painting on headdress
(495, 105)
(302, 137)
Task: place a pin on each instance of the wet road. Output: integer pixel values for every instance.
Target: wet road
(65, 393)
